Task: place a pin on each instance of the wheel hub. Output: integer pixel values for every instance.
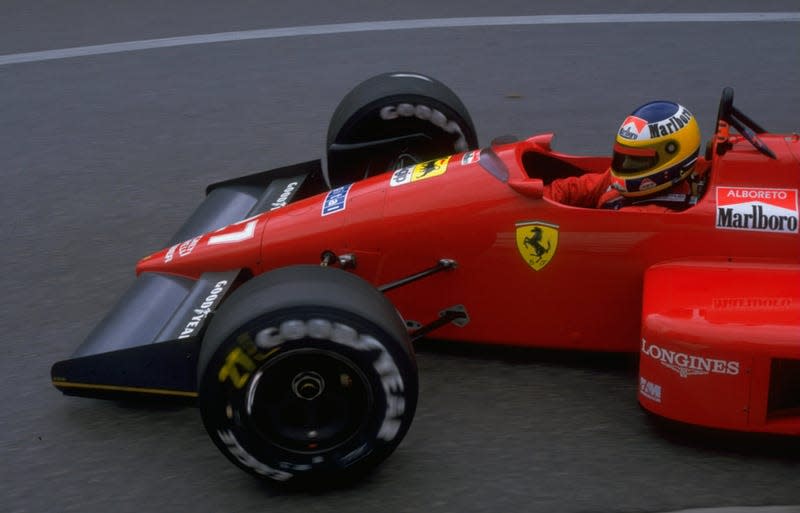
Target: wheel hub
(309, 411)
(308, 385)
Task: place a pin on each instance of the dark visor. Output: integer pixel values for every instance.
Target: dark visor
(633, 160)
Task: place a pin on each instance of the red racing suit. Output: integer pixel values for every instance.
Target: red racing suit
(595, 190)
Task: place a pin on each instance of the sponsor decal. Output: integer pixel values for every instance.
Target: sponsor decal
(537, 242)
(687, 364)
(762, 304)
(185, 248)
(617, 184)
(170, 254)
(204, 309)
(283, 199)
(646, 184)
(238, 366)
(649, 389)
(756, 209)
(237, 232)
(632, 127)
(245, 458)
(354, 454)
(425, 113)
(419, 171)
(242, 361)
(336, 200)
(668, 126)
(471, 157)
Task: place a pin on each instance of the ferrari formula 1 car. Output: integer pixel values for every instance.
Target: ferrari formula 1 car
(286, 304)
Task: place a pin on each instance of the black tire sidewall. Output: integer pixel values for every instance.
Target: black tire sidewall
(397, 87)
(359, 119)
(223, 405)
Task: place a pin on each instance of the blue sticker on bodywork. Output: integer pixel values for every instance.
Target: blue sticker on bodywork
(336, 200)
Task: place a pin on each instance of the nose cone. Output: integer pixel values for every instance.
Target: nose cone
(235, 246)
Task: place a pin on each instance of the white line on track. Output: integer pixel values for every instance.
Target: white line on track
(373, 26)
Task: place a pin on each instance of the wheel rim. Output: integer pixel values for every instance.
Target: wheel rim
(309, 401)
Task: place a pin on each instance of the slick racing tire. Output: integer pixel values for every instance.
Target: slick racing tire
(306, 375)
(393, 120)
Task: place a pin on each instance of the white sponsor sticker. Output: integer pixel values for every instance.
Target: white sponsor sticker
(283, 199)
(200, 313)
(688, 364)
(471, 157)
(757, 209)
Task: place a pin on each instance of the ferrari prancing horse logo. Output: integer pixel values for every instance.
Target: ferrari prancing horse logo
(537, 243)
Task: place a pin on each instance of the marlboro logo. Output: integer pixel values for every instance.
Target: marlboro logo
(670, 125)
(762, 210)
(632, 127)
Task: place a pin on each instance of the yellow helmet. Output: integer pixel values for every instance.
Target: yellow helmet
(656, 147)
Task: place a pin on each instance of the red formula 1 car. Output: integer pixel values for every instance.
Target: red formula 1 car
(286, 304)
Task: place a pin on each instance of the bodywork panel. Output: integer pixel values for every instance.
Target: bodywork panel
(715, 335)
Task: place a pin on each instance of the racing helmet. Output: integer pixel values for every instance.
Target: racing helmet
(656, 147)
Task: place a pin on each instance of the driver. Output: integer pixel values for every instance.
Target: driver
(654, 161)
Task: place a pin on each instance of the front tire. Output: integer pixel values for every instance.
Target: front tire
(307, 374)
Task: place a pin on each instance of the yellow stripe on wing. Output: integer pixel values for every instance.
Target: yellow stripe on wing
(117, 388)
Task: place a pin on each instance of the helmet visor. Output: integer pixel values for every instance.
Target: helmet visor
(633, 160)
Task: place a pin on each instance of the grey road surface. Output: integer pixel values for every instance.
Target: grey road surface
(103, 156)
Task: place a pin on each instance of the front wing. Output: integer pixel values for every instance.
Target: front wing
(148, 343)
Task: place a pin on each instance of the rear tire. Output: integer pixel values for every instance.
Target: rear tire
(306, 374)
(420, 117)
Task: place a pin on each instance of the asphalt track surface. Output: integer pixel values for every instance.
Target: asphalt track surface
(102, 157)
